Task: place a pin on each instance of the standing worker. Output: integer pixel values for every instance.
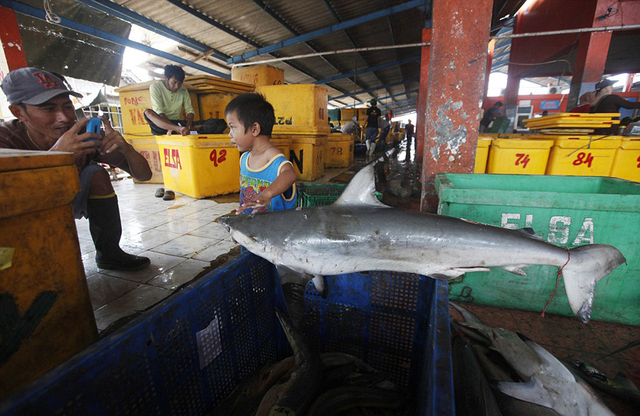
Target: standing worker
(373, 113)
(489, 116)
(46, 121)
(408, 131)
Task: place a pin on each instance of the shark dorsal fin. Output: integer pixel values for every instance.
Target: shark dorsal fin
(361, 190)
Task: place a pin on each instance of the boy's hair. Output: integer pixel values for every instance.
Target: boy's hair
(252, 108)
(174, 71)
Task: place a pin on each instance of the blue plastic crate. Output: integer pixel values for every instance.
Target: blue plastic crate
(154, 365)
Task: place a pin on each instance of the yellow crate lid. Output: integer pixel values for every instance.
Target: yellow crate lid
(589, 144)
(574, 116)
(484, 141)
(339, 137)
(200, 141)
(522, 144)
(630, 144)
(572, 137)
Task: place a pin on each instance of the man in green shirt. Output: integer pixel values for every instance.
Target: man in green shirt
(168, 99)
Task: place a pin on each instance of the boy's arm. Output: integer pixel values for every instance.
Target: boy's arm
(188, 109)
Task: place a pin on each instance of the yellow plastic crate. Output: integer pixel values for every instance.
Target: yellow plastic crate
(626, 164)
(147, 146)
(134, 99)
(307, 156)
(482, 154)
(338, 151)
(258, 75)
(299, 108)
(212, 105)
(583, 157)
(519, 156)
(200, 166)
(283, 143)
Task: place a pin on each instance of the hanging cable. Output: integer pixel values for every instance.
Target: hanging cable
(50, 16)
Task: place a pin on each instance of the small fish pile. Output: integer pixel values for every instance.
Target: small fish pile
(313, 384)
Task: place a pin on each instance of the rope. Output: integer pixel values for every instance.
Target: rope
(558, 276)
(50, 16)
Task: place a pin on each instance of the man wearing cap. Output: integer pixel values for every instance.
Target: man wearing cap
(607, 102)
(373, 114)
(46, 121)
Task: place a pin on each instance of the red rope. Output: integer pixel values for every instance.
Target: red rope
(558, 276)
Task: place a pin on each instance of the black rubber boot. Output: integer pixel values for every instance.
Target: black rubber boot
(106, 229)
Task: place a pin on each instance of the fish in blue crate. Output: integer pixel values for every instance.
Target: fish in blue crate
(358, 233)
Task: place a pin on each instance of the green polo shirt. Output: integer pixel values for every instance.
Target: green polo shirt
(170, 103)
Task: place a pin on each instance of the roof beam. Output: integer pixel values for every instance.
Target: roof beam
(91, 31)
(127, 15)
(384, 98)
(373, 68)
(373, 89)
(326, 30)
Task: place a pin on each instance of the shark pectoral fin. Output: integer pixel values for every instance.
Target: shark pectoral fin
(318, 282)
(532, 391)
(515, 270)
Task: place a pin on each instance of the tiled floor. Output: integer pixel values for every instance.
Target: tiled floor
(180, 237)
(567, 338)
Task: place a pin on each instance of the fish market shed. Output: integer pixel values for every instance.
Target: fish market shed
(428, 61)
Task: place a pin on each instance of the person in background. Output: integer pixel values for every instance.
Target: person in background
(384, 132)
(545, 113)
(408, 131)
(489, 116)
(46, 121)
(352, 127)
(373, 114)
(330, 123)
(607, 102)
(168, 99)
(267, 178)
(584, 104)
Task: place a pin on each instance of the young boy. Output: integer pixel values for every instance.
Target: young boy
(267, 178)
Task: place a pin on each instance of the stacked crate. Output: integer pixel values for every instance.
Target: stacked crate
(258, 75)
(301, 116)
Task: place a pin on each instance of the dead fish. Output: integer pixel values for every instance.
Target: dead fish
(620, 386)
(296, 395)
(358, 233)
(344, 398)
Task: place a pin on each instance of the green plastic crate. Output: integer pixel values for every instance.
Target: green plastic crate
(568, 211)
(319, 194)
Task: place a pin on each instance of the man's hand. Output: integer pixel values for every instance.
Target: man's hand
(113, 140)
(80, 145)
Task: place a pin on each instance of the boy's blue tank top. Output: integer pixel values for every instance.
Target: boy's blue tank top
(253, 182)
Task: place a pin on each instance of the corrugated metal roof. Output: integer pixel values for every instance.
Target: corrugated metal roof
(253, 24)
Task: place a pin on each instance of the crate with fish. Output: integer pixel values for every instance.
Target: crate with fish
(319, 194)
(380, 338)
(573, 212)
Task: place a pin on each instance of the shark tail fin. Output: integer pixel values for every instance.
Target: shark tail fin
(586, 266)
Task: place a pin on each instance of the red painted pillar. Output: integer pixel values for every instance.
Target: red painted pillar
(589, 65)
(11, 42)
(460, 35)
(421, 117)
(629, 83)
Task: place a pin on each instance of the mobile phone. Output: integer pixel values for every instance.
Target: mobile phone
(93, 126)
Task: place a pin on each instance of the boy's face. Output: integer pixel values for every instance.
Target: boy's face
(241, 139)
(173, 84)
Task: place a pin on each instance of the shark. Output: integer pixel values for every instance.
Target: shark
(358, 233)
(546, 381)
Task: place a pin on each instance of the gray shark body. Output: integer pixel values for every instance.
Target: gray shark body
(358, 233)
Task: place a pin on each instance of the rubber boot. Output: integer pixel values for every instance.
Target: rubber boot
(106, 229)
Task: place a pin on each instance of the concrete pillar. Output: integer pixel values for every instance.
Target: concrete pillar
(421, 116)
(510, 103)
(460, 35)
(589, 65)
(13, 53)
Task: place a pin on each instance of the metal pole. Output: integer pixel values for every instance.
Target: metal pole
(567, 31)
(309, 55)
